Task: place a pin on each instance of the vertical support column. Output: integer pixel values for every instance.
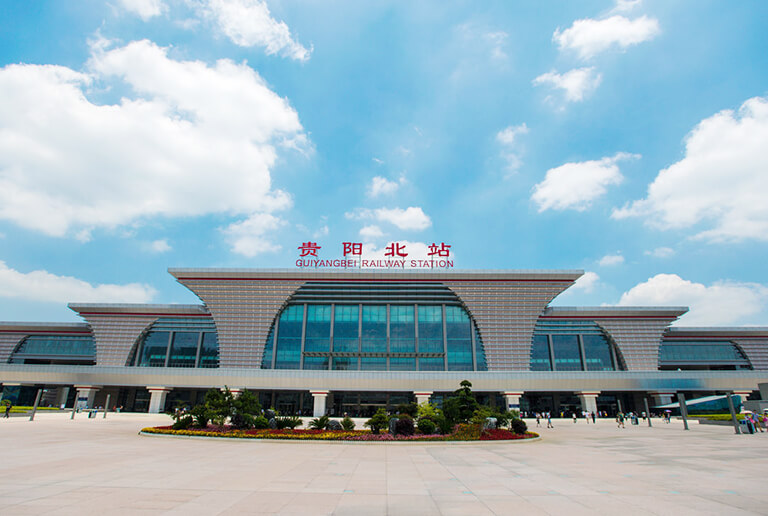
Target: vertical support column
(647, 410)
(732, 410)
(319, 403)
(588, 400)
(235, 392)
(86, 394)
(106, 406)
(743, 395)
(37, 402)
(62, 393)
(661, 398)
(422, 397)
(157, 399)
(683, 409)
(512, 399)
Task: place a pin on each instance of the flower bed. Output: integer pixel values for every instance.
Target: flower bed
(461, 434)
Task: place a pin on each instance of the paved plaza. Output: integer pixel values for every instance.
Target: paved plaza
(102, 466)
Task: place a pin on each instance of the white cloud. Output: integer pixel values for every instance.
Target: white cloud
(589, 37)
(623, 6)
(248, 23)
(661, 252)
(721, 183)
(86, 165)
(586, 283)
(575, 185)
(721, 303)
(145, 9)
(383, 186)
(576, 83)
(611, 259)
(371, 232)
(44, 286)
(509, 134)
(510, 152)
(412, 218)
(249, 237)
(159, 246)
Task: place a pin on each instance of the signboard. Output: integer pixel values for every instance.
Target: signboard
(396, 256)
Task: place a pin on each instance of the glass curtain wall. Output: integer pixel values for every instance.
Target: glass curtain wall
(374, 337)
(571, 345)
(179, 342)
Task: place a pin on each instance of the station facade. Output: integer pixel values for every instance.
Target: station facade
(341, 341)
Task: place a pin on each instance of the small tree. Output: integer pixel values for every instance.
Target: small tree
(379, 421)
(460, 407)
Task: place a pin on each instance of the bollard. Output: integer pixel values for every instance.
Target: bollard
(106, 407)
(683, 409)
(736, 427)
(37, 402)
(647, 411)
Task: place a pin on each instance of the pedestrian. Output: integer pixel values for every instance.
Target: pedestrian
(574, 418)
(538, 419)
(549, 421)
(620, 420)
(594, 418)
(585, 414)
(8, 409)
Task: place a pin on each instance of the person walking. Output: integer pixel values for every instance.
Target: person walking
(620, 420)
(574, 418)
(549, 421)
(8, 409)
(538, 419)
(594, 418)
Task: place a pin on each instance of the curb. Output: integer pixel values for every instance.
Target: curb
(310, 441)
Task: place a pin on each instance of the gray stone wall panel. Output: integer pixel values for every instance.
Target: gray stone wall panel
(8, 342)
(756, 351)
(637, 339)
(243, 310)
(505, 313)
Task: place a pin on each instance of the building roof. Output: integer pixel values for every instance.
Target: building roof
(43, 327)
(137, 309)
(615, 312)
(379, 274)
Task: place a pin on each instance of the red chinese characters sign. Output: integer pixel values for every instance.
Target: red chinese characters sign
(395, 256)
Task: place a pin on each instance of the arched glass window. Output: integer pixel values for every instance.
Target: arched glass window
(701, 354)
(572, 345)
(179, 342)
(374, 327)
(55, 349)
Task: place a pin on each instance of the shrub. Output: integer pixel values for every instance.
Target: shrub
(347, 424)
(287, 422)
(443, 424)
(319, 423)
(183, 422)
(260, 422)
(242, 421)
(408, 408)
(201, 416)
(518, 426)
(379, 421)
(429, 411)
(404, 425)
(427, 426)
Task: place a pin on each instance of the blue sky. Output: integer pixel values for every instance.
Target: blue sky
(624, 138)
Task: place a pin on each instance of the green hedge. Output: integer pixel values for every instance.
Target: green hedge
(716, 417)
